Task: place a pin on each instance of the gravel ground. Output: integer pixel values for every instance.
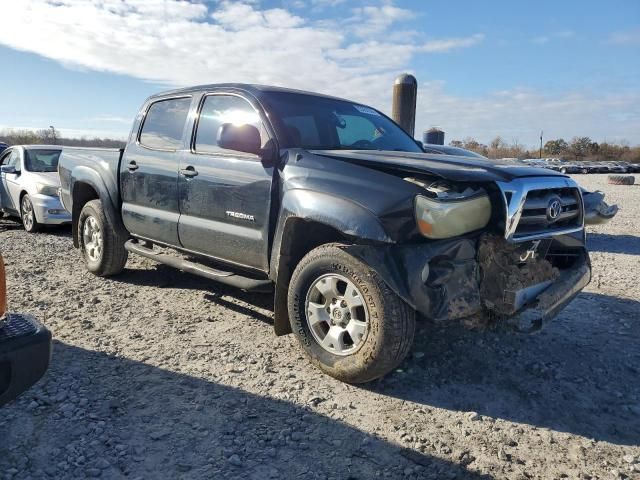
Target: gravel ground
(158, 374)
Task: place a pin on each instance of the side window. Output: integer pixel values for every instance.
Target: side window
(164, 124)
(219, 109)
(10, 158)
(357, 128)
(13, 161)
(4, 159)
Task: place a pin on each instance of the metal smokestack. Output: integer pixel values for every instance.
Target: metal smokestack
(403, 108)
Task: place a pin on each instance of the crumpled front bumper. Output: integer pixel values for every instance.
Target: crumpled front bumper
(554, 298)
(442, 281)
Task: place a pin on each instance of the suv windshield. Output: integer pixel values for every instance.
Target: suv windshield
(312, 122)
(41, 160)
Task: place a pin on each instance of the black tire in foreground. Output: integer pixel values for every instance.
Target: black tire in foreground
(348, 321)
(102, 248)
(28, 216)
(621, 179)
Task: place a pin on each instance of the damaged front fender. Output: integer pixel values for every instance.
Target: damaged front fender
(438, 279)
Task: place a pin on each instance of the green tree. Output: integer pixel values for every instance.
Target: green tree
(556, 147)
(580, 146)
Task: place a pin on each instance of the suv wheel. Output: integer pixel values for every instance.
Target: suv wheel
(28, 216)
(103, 250)
(348, 321)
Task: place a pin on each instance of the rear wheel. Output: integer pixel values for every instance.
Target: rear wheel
(348, 321)
(102, 248)
(28, 216)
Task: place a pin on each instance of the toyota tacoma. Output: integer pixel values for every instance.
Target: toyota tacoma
(331, 205)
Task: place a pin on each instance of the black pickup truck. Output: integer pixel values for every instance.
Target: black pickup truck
(333, 206)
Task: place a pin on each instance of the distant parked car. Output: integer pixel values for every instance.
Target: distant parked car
(633, 168)
(29, 184)
(448, 150)
(568, 167)
(617, 167)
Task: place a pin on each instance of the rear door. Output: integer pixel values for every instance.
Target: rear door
(149, 171)
(225, 195)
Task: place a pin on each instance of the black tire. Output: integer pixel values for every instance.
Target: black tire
(391, 322)
(28, 216)
(621, 179)
(112, 256)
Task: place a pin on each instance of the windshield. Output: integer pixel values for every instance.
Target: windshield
(311, 122)
(41, 160)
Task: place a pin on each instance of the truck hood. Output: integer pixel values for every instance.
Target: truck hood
(461, 169)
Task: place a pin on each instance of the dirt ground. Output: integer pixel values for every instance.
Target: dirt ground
(159, 374)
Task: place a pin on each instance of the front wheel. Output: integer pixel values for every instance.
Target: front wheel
(102, 248)
(28, 216)
(348, 321)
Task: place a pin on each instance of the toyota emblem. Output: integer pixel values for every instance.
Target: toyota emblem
(554, 209)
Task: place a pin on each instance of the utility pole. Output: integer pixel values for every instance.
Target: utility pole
(541, 132)
(53, 133)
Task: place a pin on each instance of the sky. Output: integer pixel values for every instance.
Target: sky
(508, 68)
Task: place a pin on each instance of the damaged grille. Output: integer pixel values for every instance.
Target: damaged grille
(548, 210)
(541, 207)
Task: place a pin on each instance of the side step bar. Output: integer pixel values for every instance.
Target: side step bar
(228, 278)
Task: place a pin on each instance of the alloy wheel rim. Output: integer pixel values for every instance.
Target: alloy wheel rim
(336, 314)
(27, 213)
(92, 239)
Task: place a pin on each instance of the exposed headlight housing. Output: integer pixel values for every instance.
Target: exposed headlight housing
(49, 190)
(450, 213)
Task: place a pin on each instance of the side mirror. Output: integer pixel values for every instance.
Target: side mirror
(8, 169)
(242, 138)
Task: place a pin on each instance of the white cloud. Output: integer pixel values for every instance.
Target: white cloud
(180, 43)
(373, 20)
(521, 114)
(448, 44)
(544, 39)
(630, 38)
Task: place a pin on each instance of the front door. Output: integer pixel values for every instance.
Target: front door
(149, 172)
(225, 195)
(9, 188)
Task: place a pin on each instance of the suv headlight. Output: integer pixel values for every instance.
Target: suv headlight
(438, 219)
(49, 190)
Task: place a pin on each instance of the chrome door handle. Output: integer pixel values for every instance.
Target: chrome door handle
(189, 171)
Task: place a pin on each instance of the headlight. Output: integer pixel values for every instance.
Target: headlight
(445, 219)
(49, 190)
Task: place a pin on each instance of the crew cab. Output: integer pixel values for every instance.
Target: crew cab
(333, 206)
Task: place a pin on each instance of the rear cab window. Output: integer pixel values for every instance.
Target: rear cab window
(164, 124)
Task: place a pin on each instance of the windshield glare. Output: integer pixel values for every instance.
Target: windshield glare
(41, 160)
(311, 122)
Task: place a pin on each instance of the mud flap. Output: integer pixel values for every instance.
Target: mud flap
(438, 279)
